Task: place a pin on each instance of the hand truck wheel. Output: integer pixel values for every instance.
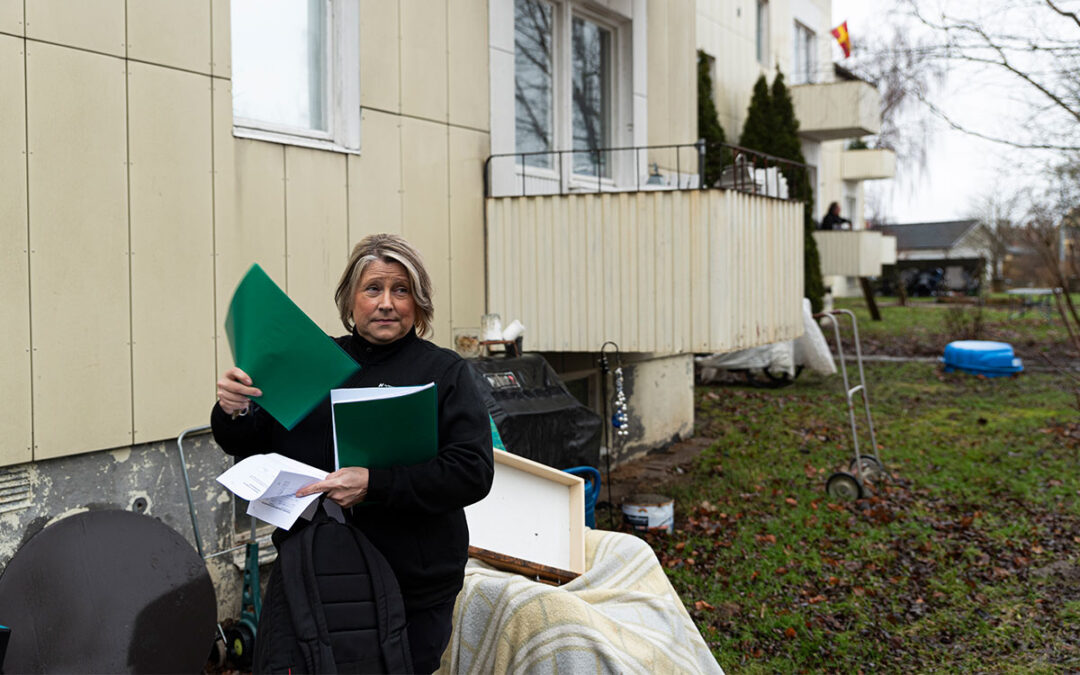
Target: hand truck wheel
(868, 466)
(240, 642)
(843, 486)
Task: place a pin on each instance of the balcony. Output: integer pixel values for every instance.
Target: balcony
(837, 110)
(867, 164)
(659, 265)
(850, 253)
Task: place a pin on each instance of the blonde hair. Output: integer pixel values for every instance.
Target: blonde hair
(388, 248)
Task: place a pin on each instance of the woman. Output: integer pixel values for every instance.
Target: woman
(833, 219)
(415, 514)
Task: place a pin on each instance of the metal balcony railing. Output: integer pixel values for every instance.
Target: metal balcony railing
(691, 166)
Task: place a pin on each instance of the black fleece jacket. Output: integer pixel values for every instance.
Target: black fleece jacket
(414, 515)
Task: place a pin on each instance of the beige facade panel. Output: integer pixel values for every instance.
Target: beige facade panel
(317, 231)
(657, 74)
(468, 56)
(696, 271)
(221, 38)
(97, 25)
(79, 278)
(868, 164)
(375, 177)
(425, 209)
(16, 431)
(249, 223)
(380, 56)
(424, 60)
(837, 110)
(468, 149)
(852, 253)
(888, 250)
(11, 17)
(172, 243)
(174, 33)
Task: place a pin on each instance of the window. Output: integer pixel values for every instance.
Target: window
(534, 109)
(762, 32)
(805, 49)
(591, 96)
(564, 86)
(295, 71)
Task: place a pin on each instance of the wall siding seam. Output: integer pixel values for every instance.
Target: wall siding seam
(213, 204)
(131, 272)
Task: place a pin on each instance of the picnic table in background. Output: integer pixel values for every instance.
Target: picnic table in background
(1032, 298)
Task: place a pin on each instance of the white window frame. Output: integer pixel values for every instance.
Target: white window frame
(809, 50)
(761, 32)
(625, 19)
(343, 91)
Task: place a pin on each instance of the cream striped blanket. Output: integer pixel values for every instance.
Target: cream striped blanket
(621, 616)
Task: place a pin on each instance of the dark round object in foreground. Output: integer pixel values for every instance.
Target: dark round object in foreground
(107, 592)
(843, 486)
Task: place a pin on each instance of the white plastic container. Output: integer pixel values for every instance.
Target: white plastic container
(649, 513)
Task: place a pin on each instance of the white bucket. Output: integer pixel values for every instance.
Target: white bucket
(649, 513)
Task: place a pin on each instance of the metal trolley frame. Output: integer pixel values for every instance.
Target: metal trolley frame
(842, 484)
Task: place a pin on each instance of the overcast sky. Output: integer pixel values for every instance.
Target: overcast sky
(961, 168)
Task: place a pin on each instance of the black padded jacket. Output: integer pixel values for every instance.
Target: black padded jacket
(414, 515)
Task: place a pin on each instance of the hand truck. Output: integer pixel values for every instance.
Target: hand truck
(236, 644)
(842, 484)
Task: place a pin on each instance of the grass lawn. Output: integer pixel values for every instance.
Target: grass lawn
(964, 560)
(924, 328)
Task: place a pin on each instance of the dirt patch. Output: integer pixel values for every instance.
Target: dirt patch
(645, 474)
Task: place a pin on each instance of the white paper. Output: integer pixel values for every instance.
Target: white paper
(269, 483)
(366, 394)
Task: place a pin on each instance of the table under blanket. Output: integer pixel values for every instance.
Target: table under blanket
(621, 616)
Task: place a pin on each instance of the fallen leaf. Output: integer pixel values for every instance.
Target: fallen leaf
(701, 604)
(791, 502)
(790, 632)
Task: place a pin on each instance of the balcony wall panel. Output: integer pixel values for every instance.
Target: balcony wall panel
(653, 271)
(850, 253)
(888, 250)
(867, 164)
(837, 110)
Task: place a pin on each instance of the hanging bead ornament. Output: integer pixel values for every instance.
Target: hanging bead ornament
(620, 420)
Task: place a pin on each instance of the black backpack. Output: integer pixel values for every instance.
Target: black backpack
(332, 606)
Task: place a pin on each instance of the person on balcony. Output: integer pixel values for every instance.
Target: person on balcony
(833, 220)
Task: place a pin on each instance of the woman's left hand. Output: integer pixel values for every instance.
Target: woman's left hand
(346, 487)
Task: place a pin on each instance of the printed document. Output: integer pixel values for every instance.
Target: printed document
(269, 483)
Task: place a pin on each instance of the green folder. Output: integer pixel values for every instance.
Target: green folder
(380, 427)
(288, 357)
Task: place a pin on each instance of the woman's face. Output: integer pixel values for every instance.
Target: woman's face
(383, 307)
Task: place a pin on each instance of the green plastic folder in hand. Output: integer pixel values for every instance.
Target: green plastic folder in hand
(380, 427)
(288, 357)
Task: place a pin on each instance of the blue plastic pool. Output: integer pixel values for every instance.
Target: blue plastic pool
(981, 357)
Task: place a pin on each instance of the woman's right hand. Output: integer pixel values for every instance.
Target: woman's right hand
(234, 391)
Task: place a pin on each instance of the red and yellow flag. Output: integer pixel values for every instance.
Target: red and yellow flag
(841, 35)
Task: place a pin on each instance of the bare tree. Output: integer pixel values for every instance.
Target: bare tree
(1034, 46)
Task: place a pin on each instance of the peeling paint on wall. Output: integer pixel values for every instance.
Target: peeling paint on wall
(144, 478)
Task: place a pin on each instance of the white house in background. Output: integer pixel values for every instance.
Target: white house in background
(962, 248)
